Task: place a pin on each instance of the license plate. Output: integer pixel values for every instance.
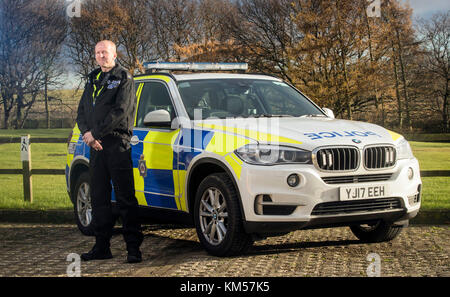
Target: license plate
(363, 192)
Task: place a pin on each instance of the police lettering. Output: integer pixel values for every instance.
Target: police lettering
(333, 134)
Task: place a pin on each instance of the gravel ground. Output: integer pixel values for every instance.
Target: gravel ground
(42, 250)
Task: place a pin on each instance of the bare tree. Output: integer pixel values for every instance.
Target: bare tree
(31, 34)
(265, 32)
(436, 65)
(124, 22)
(174, 24)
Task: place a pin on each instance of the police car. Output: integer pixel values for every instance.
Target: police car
(246, 156)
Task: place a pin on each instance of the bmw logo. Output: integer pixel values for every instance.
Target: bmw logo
(356, 140)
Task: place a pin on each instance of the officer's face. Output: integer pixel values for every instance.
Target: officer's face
(105, 54)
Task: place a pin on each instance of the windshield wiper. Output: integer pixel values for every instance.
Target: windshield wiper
(268, 115)
(312, 116)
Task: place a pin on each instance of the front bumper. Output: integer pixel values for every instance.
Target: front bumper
(270, 181)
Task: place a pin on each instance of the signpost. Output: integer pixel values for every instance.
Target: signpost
(25, 155)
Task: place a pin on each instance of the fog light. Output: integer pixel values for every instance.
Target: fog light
(410, 173)
(293, 180)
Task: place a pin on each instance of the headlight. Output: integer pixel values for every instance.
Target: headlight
(272, 154)
(404, 150)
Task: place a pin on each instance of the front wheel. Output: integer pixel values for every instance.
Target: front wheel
(82, 204)
(377, 232)
(217, 217)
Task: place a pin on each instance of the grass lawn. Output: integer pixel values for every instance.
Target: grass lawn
(44, 133)
(434, 156)
(50, 191)
(436, 193)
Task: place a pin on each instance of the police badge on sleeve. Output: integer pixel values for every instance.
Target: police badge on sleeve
(112, 84)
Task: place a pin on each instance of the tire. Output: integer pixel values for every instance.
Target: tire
(82, 204)
(217, 217)
(378, 232)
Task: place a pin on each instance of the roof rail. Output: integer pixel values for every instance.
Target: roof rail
(196, 66)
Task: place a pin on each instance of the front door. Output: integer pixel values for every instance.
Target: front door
(154, 162)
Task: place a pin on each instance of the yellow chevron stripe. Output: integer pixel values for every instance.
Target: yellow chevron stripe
(394, 135)
(237, 168)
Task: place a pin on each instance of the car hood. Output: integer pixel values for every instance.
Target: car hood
(307, 133)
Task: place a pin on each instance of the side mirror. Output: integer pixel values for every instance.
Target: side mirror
(158, 118)
(328, 112)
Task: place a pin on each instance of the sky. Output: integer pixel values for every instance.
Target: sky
(426, 8)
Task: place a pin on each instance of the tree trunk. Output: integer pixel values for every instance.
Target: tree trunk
(445, 120)
(47, 114)
(403, 77)
(6, 107)
(6, 118)
(348, 100)
(397, 90)
(18, 111)
(378, 100)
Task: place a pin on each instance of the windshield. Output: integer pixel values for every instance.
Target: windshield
(224, 98)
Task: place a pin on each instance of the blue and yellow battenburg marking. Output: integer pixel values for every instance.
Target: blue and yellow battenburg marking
(76, 137)
(167, 155)
(157, 187)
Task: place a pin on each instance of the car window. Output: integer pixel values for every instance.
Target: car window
(154, 96)
(280, 98)
(224, 98)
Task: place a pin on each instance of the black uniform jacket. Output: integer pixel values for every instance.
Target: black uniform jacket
(112, 115)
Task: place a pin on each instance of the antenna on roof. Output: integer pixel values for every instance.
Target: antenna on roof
(183, 66)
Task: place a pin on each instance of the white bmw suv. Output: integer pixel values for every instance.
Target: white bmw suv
(246, 156)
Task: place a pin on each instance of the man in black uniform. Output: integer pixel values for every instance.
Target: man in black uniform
(105, 118)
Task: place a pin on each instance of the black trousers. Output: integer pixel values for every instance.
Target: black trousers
(114, 164)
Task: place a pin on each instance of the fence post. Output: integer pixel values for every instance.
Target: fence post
(25, 155)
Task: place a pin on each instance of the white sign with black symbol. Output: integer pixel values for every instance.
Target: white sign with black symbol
(25, 148)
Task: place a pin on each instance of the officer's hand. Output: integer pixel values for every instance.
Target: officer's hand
(88, 138)
(97, 146)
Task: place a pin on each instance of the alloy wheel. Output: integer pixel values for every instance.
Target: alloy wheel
(213, 216)
(84, 206)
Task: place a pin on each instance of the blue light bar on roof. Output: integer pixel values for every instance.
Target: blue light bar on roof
(182, 66)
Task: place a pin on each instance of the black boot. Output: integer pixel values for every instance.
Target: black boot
(97, 254)
(134, 256)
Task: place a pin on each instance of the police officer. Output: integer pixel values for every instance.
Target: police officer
(105, 118)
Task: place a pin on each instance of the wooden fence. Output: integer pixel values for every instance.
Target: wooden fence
(27, 172)
(25, 155)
